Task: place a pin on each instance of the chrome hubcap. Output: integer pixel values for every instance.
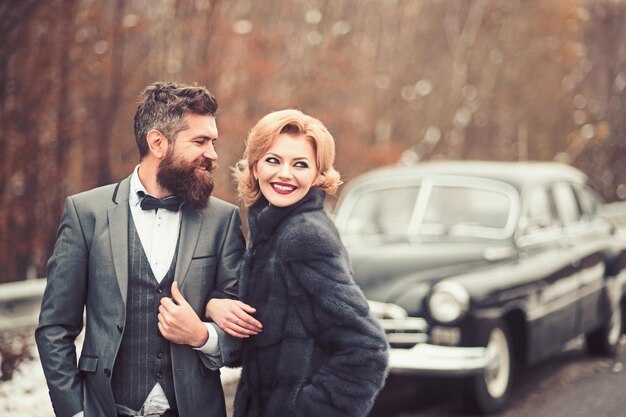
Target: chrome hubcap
(615, 331)
(498, 371)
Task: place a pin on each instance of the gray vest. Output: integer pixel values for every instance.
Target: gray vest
(144, 355)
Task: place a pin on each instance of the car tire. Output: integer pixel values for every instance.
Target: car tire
(490, 390)
(605, 340)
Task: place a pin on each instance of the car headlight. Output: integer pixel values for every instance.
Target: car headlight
(448, 301)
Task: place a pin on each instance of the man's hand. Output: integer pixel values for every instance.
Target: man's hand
(178, 323)
(233, 317)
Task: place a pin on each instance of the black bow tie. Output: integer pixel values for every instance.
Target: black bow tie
(149, 202)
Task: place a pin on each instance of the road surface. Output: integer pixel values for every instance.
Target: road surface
(572, 384)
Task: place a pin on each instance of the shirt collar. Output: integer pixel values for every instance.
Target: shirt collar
(135, 187)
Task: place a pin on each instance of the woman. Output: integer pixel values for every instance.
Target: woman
(320, 353)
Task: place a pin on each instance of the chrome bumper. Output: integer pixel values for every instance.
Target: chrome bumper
(427, 359)
(411, 354)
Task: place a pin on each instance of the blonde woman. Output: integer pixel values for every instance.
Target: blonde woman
(319, 353)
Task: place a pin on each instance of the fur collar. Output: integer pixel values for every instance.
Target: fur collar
(264, 219)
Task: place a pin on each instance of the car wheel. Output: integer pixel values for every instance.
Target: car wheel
(605, 340)
(489, 391)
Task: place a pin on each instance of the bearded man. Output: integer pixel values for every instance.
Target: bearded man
(139, 260)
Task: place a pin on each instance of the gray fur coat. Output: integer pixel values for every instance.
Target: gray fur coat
(320, 352)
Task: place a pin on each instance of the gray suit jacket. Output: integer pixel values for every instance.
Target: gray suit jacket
(89, 269)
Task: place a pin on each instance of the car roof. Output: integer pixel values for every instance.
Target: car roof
(518, 174)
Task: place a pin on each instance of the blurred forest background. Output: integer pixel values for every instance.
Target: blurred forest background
(394, 80)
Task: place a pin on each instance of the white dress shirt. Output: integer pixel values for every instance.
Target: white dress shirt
(158, 232)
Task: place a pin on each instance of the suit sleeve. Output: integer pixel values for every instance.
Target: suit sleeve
(337, 315)
(61, 317)
(226, 286)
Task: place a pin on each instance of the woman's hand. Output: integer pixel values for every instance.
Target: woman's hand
(233, 317)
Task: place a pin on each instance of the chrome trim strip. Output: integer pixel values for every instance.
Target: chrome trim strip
(407, 338)
(409, 323)
(386, 310)
(568, 291)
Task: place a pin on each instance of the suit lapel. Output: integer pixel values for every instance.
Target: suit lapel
(189, 234)
(118, 233)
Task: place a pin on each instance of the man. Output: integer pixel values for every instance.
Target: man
(143, 257)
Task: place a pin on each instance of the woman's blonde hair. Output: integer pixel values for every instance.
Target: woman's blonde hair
(261, 137)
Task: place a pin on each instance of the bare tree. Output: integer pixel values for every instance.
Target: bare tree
(476, 79)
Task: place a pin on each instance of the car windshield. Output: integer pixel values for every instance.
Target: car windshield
(430, 209)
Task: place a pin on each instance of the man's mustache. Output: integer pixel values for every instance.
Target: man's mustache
(209, 165)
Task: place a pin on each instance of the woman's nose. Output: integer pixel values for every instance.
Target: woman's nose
(285, 171)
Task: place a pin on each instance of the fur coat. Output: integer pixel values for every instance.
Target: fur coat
(320, 352)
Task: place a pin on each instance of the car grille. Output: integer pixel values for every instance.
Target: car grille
(402, 331)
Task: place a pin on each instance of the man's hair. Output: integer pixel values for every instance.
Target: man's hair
(162, 107)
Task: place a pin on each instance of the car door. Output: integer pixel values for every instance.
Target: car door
(552, 314)
(589, 238)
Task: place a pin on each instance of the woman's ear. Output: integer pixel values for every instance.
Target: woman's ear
(157, 143)
(255, 172)
(319, 179)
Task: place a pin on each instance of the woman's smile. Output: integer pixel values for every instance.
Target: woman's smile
(282, 188)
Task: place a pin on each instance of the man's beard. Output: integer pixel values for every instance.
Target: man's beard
(180, 178)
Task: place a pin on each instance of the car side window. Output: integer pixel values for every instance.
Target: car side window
(567, 206)
(538, 213)
(589, 202)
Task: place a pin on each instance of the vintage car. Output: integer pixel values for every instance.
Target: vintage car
(474, 267)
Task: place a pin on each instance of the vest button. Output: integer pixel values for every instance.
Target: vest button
(159, 375)
(159, 290)
(120, 328)
(160, 355)
(107, 372)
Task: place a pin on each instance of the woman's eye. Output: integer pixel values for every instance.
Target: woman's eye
(271, 160)
(301, 164)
